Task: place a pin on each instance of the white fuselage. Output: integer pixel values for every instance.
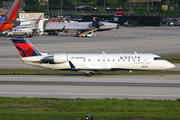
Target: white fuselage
(77, 26)
(97, 62)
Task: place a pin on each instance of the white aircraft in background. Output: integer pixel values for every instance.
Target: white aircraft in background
(81, 28)
(89, 63)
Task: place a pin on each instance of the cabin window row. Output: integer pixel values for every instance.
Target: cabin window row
(63, 25)
(113, 60)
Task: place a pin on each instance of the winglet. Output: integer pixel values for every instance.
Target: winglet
(38, 20)
(119, 13)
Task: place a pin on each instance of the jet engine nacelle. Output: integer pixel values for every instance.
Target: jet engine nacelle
(60, 58)
(55, 59)
(97, 24)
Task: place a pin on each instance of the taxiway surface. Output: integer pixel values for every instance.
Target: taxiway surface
(97, 86)
(157, 40)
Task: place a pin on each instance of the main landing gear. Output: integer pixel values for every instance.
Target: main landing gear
(87, 72)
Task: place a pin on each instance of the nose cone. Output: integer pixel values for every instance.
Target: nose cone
(170, 65)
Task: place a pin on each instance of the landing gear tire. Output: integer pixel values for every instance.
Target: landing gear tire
(6, 35)
(31, 35)
(77, 35)
(89, 74)
(25, 35)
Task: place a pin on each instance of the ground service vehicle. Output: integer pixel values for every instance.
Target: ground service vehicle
(26, 32)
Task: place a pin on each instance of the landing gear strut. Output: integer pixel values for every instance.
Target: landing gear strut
(161, 73)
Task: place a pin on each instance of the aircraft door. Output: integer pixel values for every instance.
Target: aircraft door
(145, 63)
(74, 26)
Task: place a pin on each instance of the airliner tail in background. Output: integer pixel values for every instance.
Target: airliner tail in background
(117, 16)
(9, 19)
(13, 11)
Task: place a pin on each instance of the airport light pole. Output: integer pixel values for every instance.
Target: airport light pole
(148, 4)
(75, 6)
(61, 9)
(47, 5)
(130, 5)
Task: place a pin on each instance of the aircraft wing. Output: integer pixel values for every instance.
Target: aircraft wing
(37, 22)
(94, 68)
(10, 21)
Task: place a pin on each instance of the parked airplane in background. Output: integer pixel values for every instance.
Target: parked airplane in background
(8, 21)
(23, 30)
(89, 63)
(81, 28)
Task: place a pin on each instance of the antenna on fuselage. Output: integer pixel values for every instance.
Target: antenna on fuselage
(135, 52)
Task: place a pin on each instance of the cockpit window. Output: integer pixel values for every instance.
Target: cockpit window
(158, 58)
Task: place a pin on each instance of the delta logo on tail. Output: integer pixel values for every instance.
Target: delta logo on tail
(8, 20)
(25, 48)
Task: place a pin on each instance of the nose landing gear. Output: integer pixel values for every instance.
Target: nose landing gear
(161, 73)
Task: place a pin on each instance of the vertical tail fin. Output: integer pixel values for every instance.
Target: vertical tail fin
(38, 20)
(25, 47)
(116, 17)
(13, 11)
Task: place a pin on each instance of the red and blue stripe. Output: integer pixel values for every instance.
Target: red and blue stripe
(25, 47)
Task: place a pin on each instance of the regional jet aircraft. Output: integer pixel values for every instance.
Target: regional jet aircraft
(82, 28)
(8, 21)
(89, 63)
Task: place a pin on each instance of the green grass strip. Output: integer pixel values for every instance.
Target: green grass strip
(59, 72)
(77, 109)
(173, 58)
